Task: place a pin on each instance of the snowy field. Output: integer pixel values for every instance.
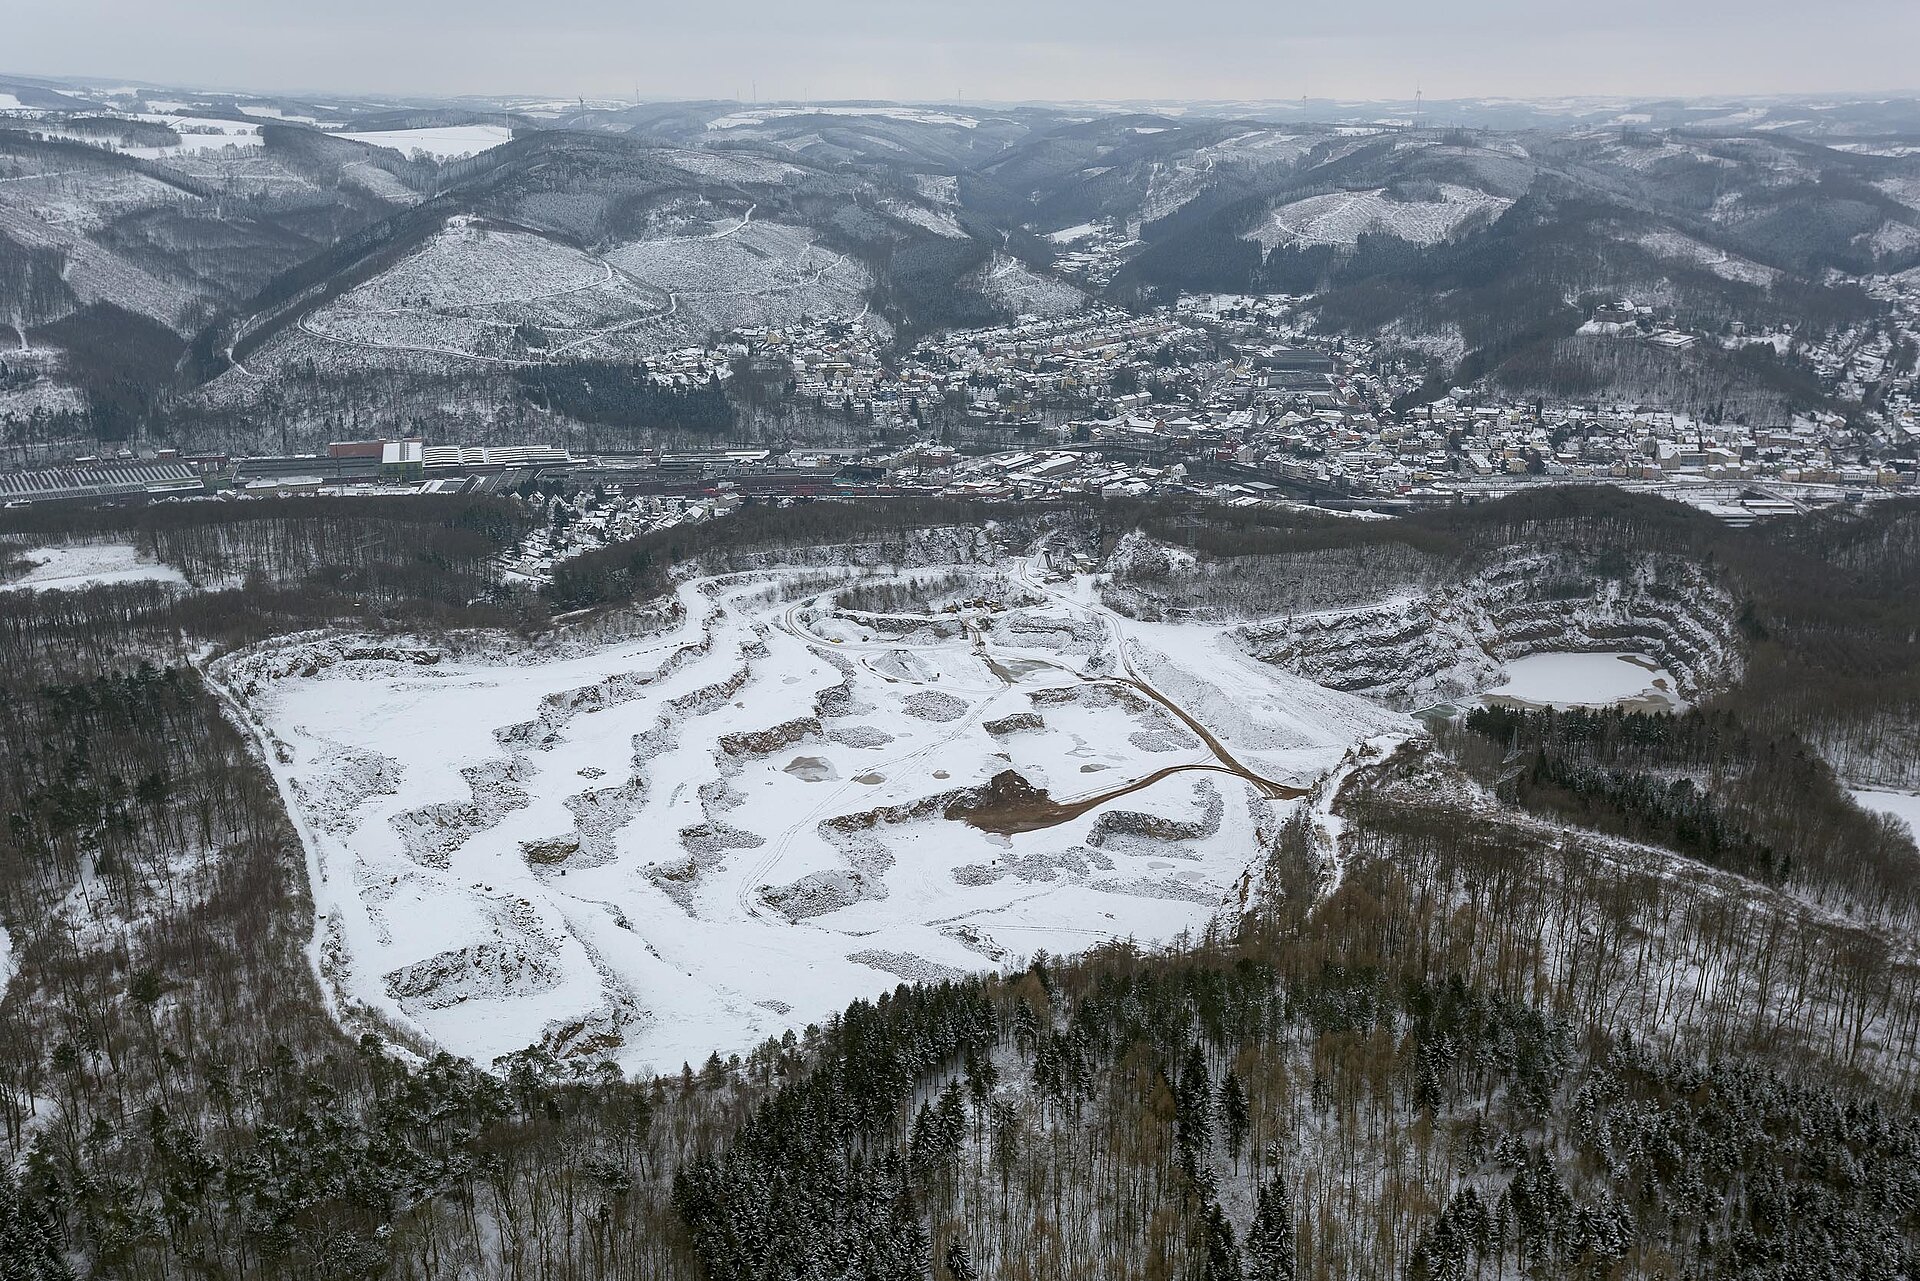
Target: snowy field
(1342, 217)
(197, 133)
(1009, 282)
(746, 271)
(918, 115)
(769, 807)
(448, 142)
(1904, 806)
(484, 294)
(93, 565)
(479, 293)
(1586, 680)
(1685, 249)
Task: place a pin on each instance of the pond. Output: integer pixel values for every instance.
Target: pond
(1634, 681)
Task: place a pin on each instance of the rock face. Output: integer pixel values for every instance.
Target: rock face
(1451, 643)
(1007, 790)
(767, 741)
(1014, 723)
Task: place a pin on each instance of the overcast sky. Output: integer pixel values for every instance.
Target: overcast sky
(984, 49)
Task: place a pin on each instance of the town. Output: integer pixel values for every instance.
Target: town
(1225, 399)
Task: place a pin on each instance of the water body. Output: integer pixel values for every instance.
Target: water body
(1610, 679)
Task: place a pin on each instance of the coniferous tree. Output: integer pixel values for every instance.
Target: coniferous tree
(1235, 1114)
(959, 1259)
(1220, 1257)
(1271, 1248)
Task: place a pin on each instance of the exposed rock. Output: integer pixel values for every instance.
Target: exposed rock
(767, 741)
(1014, 723)
(914, 969)
(933, 705)
(1451, 643)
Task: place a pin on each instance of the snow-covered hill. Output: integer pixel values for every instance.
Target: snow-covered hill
(1342, 217)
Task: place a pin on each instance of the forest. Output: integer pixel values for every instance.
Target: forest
(1534, 995)
(624, 395)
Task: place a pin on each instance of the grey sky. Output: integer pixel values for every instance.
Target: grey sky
(988, 49)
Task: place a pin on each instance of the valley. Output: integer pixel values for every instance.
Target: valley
(609, 683)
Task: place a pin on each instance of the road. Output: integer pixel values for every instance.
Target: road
(1032, 573)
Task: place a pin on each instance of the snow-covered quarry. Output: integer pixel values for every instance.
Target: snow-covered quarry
(770, 803)
(1565, 615)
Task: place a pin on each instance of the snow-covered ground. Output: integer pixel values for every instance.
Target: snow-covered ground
(737, 824)
(1904, 806)
(1067, 235)
(90, 565)
(1585, 680)
(1342, 217)
(1011, 283)
(449, 142)
(1678, 248)
(197, 133)
(483, 293)
(919, 115)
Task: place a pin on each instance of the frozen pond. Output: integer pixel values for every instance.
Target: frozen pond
(1588, 680)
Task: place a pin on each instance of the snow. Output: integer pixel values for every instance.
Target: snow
(197, 133)
(941, 188)
(1342, 217)
(736, 824)
(747, 272)
(1011, 283)
(91, 565)
(939, 222)
(9, 102)
(762, 115)
(1067, 235)
(1680, 248)
(449, 142)
(6, 960)
(473, 291)
(731, 166)
(1584, 680)
(1904, 806)
(274, 113)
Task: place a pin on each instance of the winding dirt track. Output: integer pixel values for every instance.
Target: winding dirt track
(1036, 810)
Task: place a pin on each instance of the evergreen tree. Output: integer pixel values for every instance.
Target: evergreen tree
(1271, 1249)
(959, 1260)
(29, 1242)
(1235, 1114)
(1220, 1260)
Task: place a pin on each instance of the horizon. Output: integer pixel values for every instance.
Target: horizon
(992, 52)
(1650, 97)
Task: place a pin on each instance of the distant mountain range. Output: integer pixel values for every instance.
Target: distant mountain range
(203, 262)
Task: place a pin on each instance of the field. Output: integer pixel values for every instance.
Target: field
(1342, 217)
(747, 272)
(445, 143)
(481, 293)
(771, 806)
(89, 565)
